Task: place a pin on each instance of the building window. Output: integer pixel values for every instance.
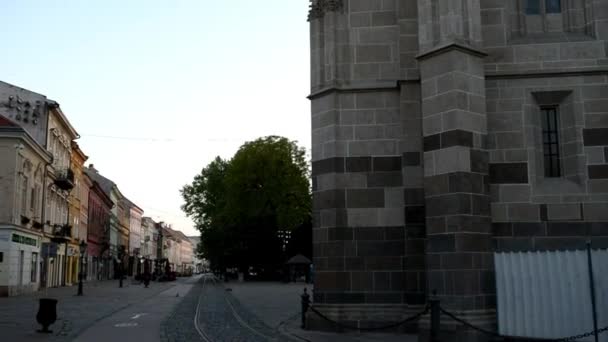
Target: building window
(535, 7)
(550, 120)
(532, 7)
(553, 6)
(36, 205)
(33, 199)
(24, 186)
(34, 274)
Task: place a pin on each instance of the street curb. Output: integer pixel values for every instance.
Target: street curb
(285, 331)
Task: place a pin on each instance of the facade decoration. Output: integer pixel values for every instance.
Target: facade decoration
(318, 8)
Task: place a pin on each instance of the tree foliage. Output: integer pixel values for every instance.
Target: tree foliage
(239, 205)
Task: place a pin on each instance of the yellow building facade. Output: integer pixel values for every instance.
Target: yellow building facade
(77, 196)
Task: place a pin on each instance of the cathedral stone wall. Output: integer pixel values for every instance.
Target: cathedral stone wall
(431, 139)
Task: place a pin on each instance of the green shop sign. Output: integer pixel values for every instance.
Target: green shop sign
(25, 240)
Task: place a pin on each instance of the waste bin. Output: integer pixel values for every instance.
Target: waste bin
(47, 314)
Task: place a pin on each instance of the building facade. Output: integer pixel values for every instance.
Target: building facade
(149, 243)
(59, 185)
(111, 252)
(21, 208)
(85, 188)
(76, 199)
(443, 131)
(98, 233)
(186, 251)
(148, 229)
(200, 265)
(122, 238)
(135, 239)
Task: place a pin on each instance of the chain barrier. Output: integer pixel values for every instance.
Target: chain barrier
(467, 324)
(496, 334)
(577, 337)
(393, 325)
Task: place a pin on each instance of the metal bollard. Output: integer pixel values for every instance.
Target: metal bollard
(435, 318)
(305, 303)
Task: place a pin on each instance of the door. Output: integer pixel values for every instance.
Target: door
(21, 257)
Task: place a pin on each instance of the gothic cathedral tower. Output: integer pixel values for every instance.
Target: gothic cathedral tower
(444, 131)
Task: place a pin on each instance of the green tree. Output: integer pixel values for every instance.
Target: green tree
(269, 179)
(239, 205)
(204, 198)
(205, 203)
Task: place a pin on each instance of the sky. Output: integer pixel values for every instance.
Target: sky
(157, 89)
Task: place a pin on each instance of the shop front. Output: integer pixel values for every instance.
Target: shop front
(54, 258)
(19, 261)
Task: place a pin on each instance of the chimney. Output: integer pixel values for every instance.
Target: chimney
(92, 168)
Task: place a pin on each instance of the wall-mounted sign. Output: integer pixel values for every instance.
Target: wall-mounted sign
(72, 251)
(25, 240)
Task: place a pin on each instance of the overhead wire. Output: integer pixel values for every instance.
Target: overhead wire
(151, 139)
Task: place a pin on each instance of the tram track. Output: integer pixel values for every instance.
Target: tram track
(239, 322)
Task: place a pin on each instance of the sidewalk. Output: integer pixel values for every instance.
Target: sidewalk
(74, 314)
(278, 306)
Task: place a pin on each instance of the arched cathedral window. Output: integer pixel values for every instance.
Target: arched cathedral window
(550, 17)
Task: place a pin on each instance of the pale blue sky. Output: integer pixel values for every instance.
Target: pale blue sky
(199, 76)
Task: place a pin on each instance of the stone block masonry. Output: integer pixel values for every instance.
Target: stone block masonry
(431, 146)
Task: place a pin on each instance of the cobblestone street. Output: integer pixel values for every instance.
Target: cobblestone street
(220, 318)
(191, 309)
(250, 312)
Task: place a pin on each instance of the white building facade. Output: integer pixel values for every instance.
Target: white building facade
(21, 186)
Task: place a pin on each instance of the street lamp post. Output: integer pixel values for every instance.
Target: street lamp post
(119, 273)
(120, 256)
(83, 250)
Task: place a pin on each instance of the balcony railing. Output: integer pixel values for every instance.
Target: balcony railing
(61, 233)
(65, 179)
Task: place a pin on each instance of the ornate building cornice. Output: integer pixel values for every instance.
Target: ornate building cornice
(318, 8)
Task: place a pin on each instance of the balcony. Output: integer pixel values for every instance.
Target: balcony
(61, 233)
(65, 180)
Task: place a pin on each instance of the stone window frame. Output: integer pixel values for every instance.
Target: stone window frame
(576, 22)
(572, 157)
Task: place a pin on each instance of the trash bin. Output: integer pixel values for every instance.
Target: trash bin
(47, 314)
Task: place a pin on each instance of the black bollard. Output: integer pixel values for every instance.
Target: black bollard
(435, 317)
(305, 303)
(47, 314)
